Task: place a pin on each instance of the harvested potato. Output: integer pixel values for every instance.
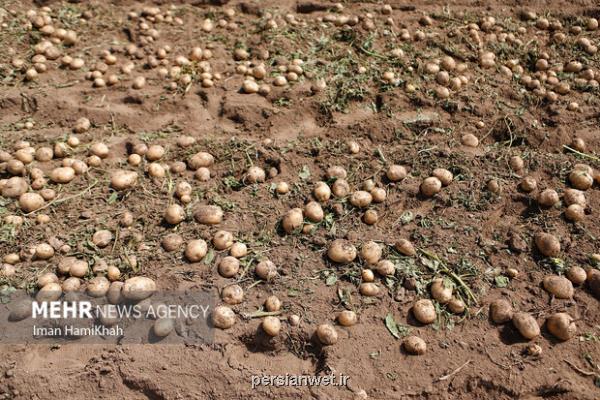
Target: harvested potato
(430, 186)
(271, 325)
(208, 215)
(456, 306)
(371, 252)
(266, 270)
(238, 250)
(396, 173)
(272, 304)
(385, 268)
(62, 175)
(292, 220)
(327, 334)
(222, 240)
(174, 214)
(223, 317)
(313, 212)
(361, 199)
(547, 244)
(414, 345)
(501, 311)
(562, 326)
(341, 251)
(441, 290)
(576, 275)
(123, 179)
(347, 318)
(232, 294)
(50, 292)
(196, 250)
(526, 325)
(30, 202)
(102, 238)
(405, 247)
(369, 289)
(98, 286)
(424, 311)
(559, 286)
(138, 288)
(229, 267)
(172, 242)
(163, 327)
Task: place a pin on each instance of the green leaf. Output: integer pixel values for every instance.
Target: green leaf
(406, 217)
(502, 281)
(209, 257)
(304, 173)
(391, 325)
(331, 280)
(112, 198)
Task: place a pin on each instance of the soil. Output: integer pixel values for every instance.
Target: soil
(298, 134)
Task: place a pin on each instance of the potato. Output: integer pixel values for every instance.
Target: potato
(202, 174)
(47, 278)
(379, 195)
(163, 327)
(255, 175)
(113, 273)
(414, 345)
(327, 334)
(208, 215)
(322, 192)
(313, 211)
(223, 317)
(575, 213)
(156, 170)
(368, 289)
(443, 175)
(172, 242)
(562, 326)
(581, 180)
(516, 163)
(385, 268)
(456, 306)
(347, 318)
(43, 251)
(441, 290)
(232, 294)
(266, 270)
(20, 310)
(396, 173)
(174, 214)
(367, 275)
(222, 240)
(79, 268)
(292, 220)
(271, 325)
(336, 172)
(424, 311)
(196, 250)
(138, 288)
(51, 292)
(102, 238)
(62, 175)
(430, 186)
(559, 286)
(501, 311)
(547, 244)
(100, 149)
(123, 179)
(405, 247)
(14, 187)
(574, 196)
(238, 250)
(155, 152)
(528, 184)
(115, 294)
(370, 217)
(548, 198)
(361, 199)
(526, 325)
(593, 281)
(229, 267)
(30, 202)
(71, 284)
(371, 253)
(98, 286)
(341, 251)
(11, 258)
(82, 125)
(576, 275)
(272, 304)
(201, 159)
(282, 188)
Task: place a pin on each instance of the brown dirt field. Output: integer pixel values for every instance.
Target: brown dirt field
(299, 135)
